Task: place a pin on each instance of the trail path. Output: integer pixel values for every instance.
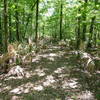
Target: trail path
(51, 76)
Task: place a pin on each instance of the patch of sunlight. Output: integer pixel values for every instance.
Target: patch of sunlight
(85, 55)
(50, 78)
(24, 88)
(5, 88)
(48, 55)
(16, 91)
(26, 91)
(49, 81)
(40, 72)
(36, 59)
(52, 54)
(46, 83)
(74, 52)
(29, 74)
(0, 84)
(86, 95)
(59, 70)
(13, 77)
(98, 72)
(51, 59)
(16, 71)
(70, 84)
(15, 98)
(55, 47)
(44, 55)
(38, 88)
(29, 85)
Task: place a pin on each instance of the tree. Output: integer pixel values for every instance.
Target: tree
(5, 25)
(84, 21)
(17, 20)
(10, 26)
(92, 26)
(78, 31)
(36, 28)
(61, 18)
(0, 30)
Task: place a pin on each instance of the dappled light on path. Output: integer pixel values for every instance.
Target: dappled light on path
(50, 71)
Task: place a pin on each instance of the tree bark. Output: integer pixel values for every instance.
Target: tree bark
(5, 25)
(17, 20)
(78, 32)
(36, 28)
(0, 31)
(61, 17)
(84, 22)
(92, 28)
(10, 25)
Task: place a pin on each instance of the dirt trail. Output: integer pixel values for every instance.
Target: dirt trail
(49, 77)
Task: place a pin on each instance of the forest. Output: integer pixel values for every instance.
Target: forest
(49, 49)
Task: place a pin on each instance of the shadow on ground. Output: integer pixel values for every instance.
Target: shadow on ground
(54, 74)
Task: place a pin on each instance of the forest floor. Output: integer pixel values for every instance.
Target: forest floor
(54, 74)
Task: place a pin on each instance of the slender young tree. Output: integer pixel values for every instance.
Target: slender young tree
(5, 25)
(61, 18)
(43, 30)
(17, 20)
(91, 31)
(10, 25)
(84, 21)
(78, 31)
(36, 28)
(0, 31)
(23, 23)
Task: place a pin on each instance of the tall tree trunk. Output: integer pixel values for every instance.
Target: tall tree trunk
(5, 31)
(95, 33)
(5, 25)
(65, 31)
(61, 17)
(0, 31)
(23, 25)
(92, 28)
(78, 32)
(31, 23)
(43, 30)
(10, 32)
(95, 36)
(17, 20)
(55, 31)
(82, 45)
(36, 28)
(84, 22)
